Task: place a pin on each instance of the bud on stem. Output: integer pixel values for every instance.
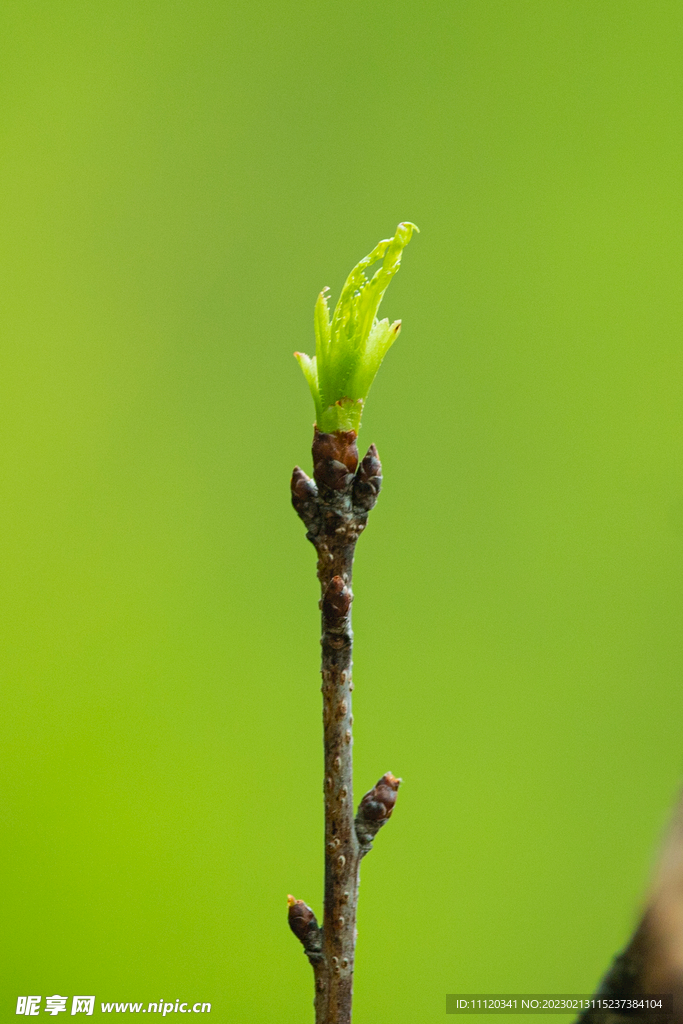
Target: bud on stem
(303, 923)
(375, 809)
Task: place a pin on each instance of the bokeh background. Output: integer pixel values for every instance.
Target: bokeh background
(178, 181)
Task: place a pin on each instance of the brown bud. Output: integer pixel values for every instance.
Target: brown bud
(303, 488)
(302, 920)
(379, 802)
(375, 809)
(305, 498)
(337, 600)
(335, 458)
(368, 481)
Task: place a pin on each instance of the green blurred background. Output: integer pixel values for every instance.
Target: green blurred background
(178, 181)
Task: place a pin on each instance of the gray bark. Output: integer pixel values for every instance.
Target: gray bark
(334, 507)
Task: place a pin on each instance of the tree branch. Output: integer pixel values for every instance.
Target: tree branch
(652, 963)
(334, 510)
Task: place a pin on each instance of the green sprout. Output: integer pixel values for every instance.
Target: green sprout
(349, 350)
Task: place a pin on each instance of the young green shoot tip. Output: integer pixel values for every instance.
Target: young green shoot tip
(350, 347)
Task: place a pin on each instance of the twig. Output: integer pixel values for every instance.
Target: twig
(652, 963)
(349, 348)
(334, 507)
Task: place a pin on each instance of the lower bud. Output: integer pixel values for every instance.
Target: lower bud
(303, 923)
(375, 809)
(336, 601)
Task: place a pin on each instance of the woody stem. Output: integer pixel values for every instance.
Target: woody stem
(335, 510)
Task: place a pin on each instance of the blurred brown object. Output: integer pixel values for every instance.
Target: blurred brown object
(652, 963)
